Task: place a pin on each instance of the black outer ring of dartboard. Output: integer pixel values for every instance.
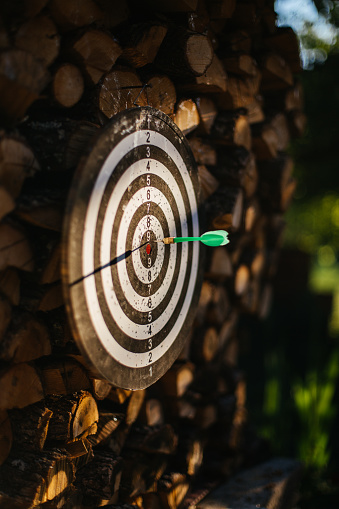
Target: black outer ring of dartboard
(102, 364)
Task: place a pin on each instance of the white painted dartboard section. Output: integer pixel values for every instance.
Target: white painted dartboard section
(130, 310)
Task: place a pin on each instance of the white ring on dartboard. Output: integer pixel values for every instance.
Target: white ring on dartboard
(132, 359)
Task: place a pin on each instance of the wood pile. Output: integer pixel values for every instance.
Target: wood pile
(225, 74)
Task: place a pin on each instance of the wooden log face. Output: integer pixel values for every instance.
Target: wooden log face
(133, 325)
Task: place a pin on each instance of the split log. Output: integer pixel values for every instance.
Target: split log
(33, 478)
(52, 298)
(100, 479)
(141, 43)
(161, 93)
(40, 37)
(237, 167)
(198, 20)
(51, 271)
(228, 328)
(58, 145)
(246, 16)
(237, 41)
(285, 42)
(7, 204)
(17, 162)
(177, 379)
(219, 306)
(265, 141)
(119, 90)
(204, 153)
(15, 391)
(67, 85)
(74, 416)
(276, 184)
(184, 53)
(63, 376)
(42, 207)
(100, 388)
(186, 116)
(80, 451)
(251, 214)
(220, 267)
(204, 344)
(232, 128)
(34, 7)
(204, 300)
(119, 395)
(69, 14)
(5, 315)
(208, 183)
(225, 208)
(15, 250)
(115, 12)
(241, 92)
(172, 489)
(221, 9)
(30, 426)
(241, 64)
(5, 436)
(152, 412)
(10, 285)
(207, 112)
(241, 280)
(96, 52)
(280, 125)
(297, 123)
(276, 73)
(153, 439)
(107, 424)
(22, 78)
(27, 339)
(134, 405)
(213, 80)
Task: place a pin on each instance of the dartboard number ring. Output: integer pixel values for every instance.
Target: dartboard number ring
(131, 301)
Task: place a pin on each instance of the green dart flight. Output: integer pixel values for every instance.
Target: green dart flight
(213, 239)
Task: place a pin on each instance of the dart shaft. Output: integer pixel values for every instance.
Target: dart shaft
(176, 240)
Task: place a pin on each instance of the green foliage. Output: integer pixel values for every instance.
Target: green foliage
(314, 403)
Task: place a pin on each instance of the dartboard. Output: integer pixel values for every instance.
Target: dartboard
(131, 300)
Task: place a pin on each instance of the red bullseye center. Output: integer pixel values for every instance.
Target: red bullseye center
(148, 249)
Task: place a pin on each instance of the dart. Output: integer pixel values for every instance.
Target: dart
(213, 239)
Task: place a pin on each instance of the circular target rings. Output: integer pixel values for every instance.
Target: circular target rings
(131, 300)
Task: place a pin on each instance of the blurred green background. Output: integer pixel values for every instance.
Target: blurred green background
(292, 358)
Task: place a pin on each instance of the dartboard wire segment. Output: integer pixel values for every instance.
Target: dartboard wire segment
(131, 300)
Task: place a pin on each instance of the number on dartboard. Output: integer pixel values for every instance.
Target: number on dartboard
(148, 135)
(148, 222)
(148, 235)
(149, 275)
(150, 343)
(149, 316)
(150, 329)
(149, 302)
(148, 194)
(148, 207)
(148, 152)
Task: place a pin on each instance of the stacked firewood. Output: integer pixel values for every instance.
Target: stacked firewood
(225, 73)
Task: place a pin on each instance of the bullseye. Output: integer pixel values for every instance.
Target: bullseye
(148, 249)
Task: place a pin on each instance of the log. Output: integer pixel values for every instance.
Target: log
(107, 424)
(241, 92)
(141, 43)
(43, 208)
(207, 112)
(70, 14)
(198, 20)
(232, 128)
(100, 479)
(186, 116)
(67, 85)
(51, 271)
(16, 392)
(119, 90)
(214, 80)
(33, 478)
(172, 489)
(7, 204)
(96, 52)
(74, 416)
(10, 285)
(39, 36)
(30, 426)
(275, 184)
(237, 41)
(285, 42)
(204, 344)
(58, 144)
(177, 379)
(100, 388)
(204, 153)
(297, 123)
(134, 405)
(22, 78)
(5, 436)
(220, 267)
(225, 208)
(237, 167)
(276, 73)
(241, 65)
(208, 183)
(152, 412)
(5, 315)
(184, 53)
(221, 9)
(251, 213)
(17, 162)
(219, 306)
(161, 93)
(159, 439)
(52, 298)
(26, 339)
(265, 141)
(63, 376)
